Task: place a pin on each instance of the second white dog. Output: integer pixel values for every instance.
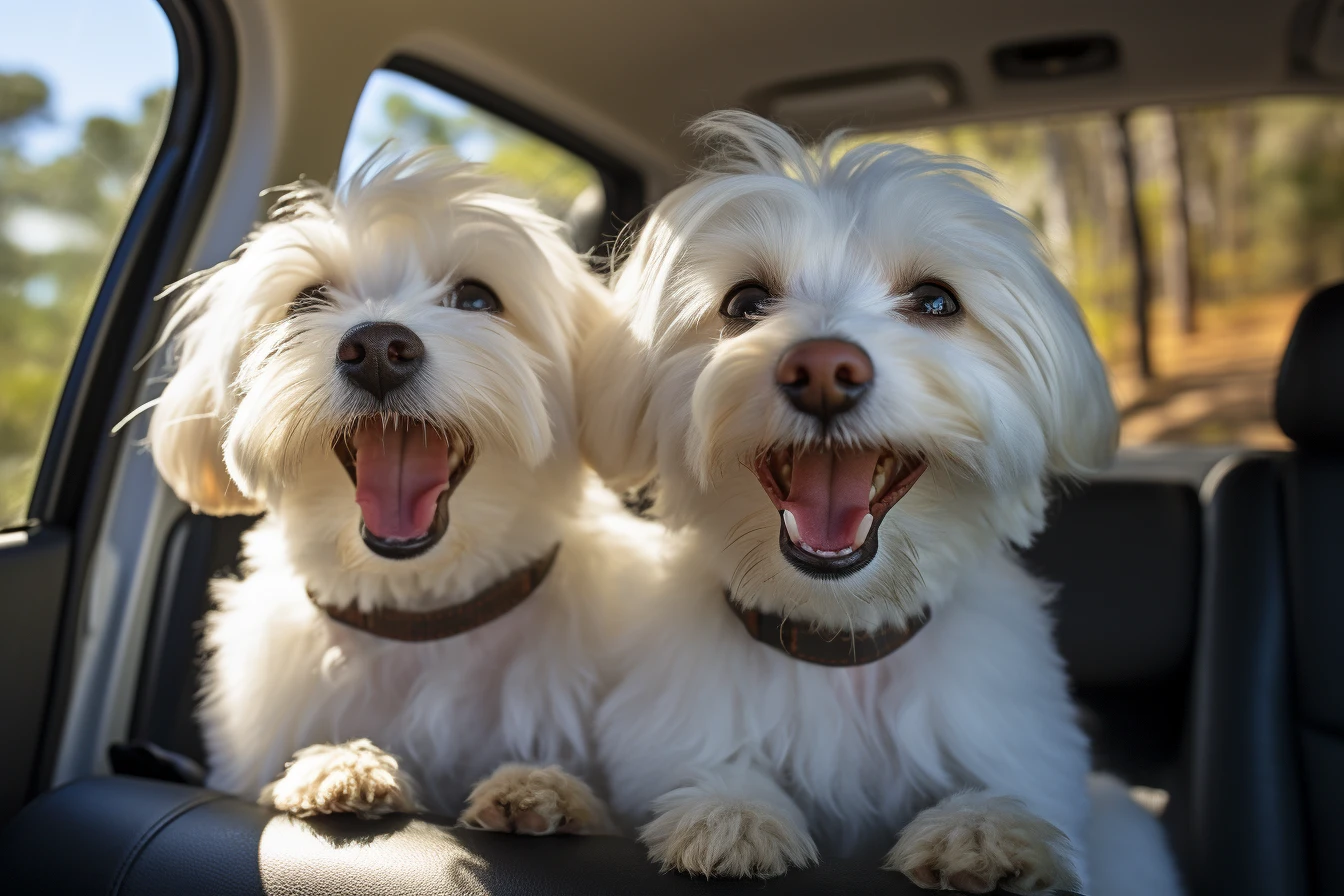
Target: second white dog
(387, 372)
(853, 376)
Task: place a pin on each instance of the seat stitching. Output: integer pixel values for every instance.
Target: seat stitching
(163, 821)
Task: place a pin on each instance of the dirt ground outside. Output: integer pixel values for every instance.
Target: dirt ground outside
(1215, 386)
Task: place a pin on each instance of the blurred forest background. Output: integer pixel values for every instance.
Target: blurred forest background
(1240, 212)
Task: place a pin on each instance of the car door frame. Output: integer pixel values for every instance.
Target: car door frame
(47, 559)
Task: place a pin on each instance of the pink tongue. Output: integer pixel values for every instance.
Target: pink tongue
(829, 496)
(400, 474)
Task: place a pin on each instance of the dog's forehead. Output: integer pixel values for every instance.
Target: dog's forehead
(840, 227)
(402, 250)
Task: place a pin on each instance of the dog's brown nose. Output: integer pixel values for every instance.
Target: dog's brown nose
(824, 377)
(379, 357)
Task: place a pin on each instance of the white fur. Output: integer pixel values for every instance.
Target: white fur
(998, 400)
(355, 777)
(247, 423)
(1129, 849)
(976, 842)
(535, 801)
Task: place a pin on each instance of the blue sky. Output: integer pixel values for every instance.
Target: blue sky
(97, 56)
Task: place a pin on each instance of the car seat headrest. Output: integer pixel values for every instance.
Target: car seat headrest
(1309, 401)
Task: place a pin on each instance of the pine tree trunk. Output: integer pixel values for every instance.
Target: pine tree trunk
(1142, 278)
(1168, 162)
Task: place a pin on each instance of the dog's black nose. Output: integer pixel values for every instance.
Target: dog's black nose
(379, 357)
(824, 377)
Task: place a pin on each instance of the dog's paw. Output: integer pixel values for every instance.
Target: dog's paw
(525, 799)
(354, 777)
(718, 837)
(975, 843)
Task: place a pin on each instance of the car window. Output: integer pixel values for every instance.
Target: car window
(1240, 209)
(412, 114)
(85, 89)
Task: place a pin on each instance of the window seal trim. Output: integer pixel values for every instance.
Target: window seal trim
(621, 181)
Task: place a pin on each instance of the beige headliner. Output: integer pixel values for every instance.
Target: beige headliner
(631, 75)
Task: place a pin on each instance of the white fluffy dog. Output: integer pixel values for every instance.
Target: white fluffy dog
(371, 359)
(852, 375)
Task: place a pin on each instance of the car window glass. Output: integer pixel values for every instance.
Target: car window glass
(85, 87)
(411, 114)
(1241, 211)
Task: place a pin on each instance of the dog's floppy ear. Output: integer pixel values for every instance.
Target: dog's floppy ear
(1080, 421)
(186, 431)
(615, 386)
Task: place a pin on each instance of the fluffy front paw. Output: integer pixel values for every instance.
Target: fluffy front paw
(975, 843)
(354, 777)
(716, 837)
(525, 799)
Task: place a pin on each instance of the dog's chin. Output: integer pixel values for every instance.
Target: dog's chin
(404, 472)
(832, 501)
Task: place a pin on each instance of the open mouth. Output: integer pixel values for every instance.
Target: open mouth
(404, 472)
(831, 502)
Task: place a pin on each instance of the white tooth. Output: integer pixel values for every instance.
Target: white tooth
(844, 552)
(807, 547)
(791, 526)
(872, 493)
(879, 481)
(862, 535)
(454, 459)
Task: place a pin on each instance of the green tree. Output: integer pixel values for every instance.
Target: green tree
(82, 198)
(21, 96)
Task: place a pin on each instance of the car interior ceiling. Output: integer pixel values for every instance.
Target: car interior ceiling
(1197, 614)
(694, 58)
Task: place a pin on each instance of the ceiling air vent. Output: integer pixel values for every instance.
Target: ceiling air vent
(1327, 51)
(1060, 57)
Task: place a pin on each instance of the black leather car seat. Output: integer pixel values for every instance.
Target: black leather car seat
(1267, 739)
(135, 837)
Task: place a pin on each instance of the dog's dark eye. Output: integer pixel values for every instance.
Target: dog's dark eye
(310, 298)
(933, 299)
(746, 301)
(472, 295)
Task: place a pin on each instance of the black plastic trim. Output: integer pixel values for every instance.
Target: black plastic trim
(197, 549)
(77, 470)
(34, 576)
(620, 181)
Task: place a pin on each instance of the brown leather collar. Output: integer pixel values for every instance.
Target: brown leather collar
(803, 642)
(434, 625)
